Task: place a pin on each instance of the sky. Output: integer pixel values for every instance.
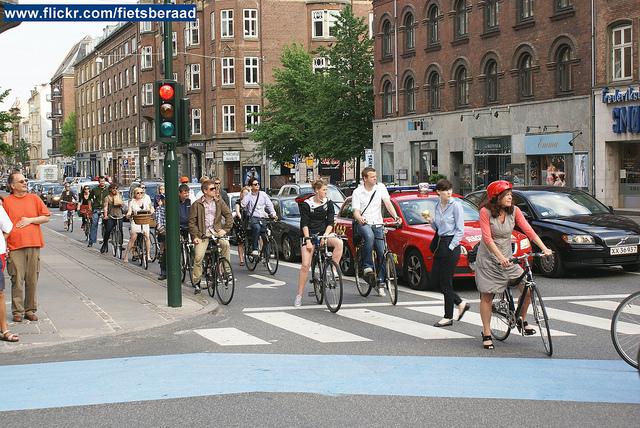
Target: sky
(31, 52)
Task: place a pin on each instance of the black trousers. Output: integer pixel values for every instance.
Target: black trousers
(444, 264)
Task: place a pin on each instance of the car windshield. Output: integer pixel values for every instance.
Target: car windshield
(558, 204)
(290, 208)
(412, 209)
(58, 189)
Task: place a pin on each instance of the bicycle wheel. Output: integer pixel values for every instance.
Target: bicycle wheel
(86, 228)
(66, 222)
(113, 240)
(316, 280)
(225, 281)
(144, 256)
(332, 285)
(271, 256)
(120, 240)
(500, 316)
(250, 261)
(154, 247)
(391, 282)
(364, 288)
(183, 262)
(208, 275)
(70, 220)
(625, 329)
(541, 318)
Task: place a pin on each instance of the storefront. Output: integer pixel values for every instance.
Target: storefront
(550, 161)
(492, 160)
(424, 160)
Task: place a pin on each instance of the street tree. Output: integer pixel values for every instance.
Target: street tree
(22, 152)
(69, 132)
(6, 125)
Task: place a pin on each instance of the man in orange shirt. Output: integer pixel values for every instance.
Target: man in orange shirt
(27, 212)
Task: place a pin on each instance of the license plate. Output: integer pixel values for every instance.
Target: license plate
(631, 249)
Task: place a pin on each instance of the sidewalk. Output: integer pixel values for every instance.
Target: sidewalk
(82, 294)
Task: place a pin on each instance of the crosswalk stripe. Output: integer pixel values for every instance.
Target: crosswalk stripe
(230, 337)
(400, 325)
(306, 328)
(610, 305)
(473, 318)
(591, 321)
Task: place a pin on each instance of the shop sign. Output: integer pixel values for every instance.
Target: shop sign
(626, 119)
(548, 144)
(209, 155)
(231, 156)
(368, 158)
(619, 96)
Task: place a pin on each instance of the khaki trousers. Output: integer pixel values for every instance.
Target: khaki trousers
(200, 250)
(24, 269)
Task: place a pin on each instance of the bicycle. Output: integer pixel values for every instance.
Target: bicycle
(154, 246)
(217, 272)
(116, 238)
(625, 329)
(69, 211)
(505, 316)
(363, 285)
(186, 256)
(268, 252)
(326, 275)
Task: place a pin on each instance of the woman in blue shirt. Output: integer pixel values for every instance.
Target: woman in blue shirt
(448, 223)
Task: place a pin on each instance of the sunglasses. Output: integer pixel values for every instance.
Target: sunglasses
(211, 188)
(217, 183)
(255, 184)
(139, 193)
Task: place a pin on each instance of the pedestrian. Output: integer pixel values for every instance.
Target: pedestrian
(5, 228)
(240, 223)
(97, 196)
(494, 269)
(206, 221)
(111, 214)
(161, 230)
(27, 212)
(448, 223)
(159, 196)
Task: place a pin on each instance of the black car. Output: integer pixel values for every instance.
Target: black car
(287, 230)
(579, 229)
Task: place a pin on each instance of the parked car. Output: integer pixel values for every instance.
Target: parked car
(410, 241)
(333, 192)
(287, 230)
(347, 187)
(42, 190)
(53, 196)
(581, 231)
(150, 187)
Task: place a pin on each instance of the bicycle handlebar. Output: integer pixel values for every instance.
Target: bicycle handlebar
(516, 259)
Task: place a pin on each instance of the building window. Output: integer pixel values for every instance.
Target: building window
(250, 23)
(565, 82)
(386, 38)
(214, 113)
(145, 26)
(462, 87)
(323, 22)
(409, 33)
(126, 77)
(251, 71)
(135, 104)
(433, 27)
(192, 33)
(174, 43)
(320, 64)
(525, 76)
(491, 15)
(525, 10)
(134, 75)
(491, 76)
(251, 117)
(410, 95)
(147, 95)
(147, 58)
(562, 4)
(196, 123)
(213, 25)
(213, 73)
(228, 118)
(226, 23)
(127, 106)
(622, 53)
(193, 77)
(434, 91)
(387, 99)
(228, 71)
(461, 20)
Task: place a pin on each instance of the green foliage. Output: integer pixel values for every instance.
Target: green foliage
(22, 152)
(433, 178)
(6, 118)
(68, 143)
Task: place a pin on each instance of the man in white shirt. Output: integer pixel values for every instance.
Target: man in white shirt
(367, 201)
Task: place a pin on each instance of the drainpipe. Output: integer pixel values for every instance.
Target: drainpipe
(395, 47)
(593, 98)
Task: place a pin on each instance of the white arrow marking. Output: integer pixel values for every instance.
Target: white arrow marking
(271, 283)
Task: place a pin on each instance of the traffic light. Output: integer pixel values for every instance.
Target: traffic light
(168, 114)
(184, 125)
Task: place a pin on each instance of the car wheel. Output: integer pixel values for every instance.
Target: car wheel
(415, 271)
(288, 253)
(551, 266)
(346, 262)
(631, 268)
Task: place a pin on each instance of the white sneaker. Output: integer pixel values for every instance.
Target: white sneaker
(381, 292)
(367, 271)
(298, 302)
(255, 253)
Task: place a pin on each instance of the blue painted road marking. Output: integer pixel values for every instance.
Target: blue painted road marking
(76, 383)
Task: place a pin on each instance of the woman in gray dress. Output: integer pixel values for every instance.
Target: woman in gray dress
(494, 270)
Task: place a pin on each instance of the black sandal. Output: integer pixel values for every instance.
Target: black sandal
(522, 328)
(486, 339)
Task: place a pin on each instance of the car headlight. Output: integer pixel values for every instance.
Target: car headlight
(578, 239)
(525, 243)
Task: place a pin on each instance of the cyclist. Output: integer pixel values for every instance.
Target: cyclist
(85, 201)
(184, 203)
(111, 214)
(494, 269)
(67, 196)
(258, 205)
(239, 223)
(160, 217)
(97, 196)
(367, 200)
(316, 217)
(138, 203)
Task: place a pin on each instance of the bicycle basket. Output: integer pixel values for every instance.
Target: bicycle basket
(142, 219)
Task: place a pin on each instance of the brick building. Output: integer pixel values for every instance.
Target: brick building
(482, 90)
(617, 102)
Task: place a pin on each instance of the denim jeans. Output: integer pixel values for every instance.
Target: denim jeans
(257, 227)
(373, 236)
(93, 234)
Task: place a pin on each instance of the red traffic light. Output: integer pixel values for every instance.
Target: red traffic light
(166, 92)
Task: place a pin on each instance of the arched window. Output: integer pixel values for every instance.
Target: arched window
(387, 99)
(621, 52)
(433, 30)
(409, 33)
(386, 38)
(525, 76)
(434, 91)
(462, 87)
(461, 19)
(491, 73)
(410, 94)
(565, 83)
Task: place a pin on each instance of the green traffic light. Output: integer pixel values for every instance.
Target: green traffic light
(167, 129)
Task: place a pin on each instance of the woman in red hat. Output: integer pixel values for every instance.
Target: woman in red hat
(494, 270)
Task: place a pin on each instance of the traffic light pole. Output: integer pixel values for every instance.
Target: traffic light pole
(172, 242)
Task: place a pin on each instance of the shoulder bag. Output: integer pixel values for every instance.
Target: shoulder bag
(355, 224)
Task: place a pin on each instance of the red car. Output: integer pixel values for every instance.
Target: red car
(410, 242)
